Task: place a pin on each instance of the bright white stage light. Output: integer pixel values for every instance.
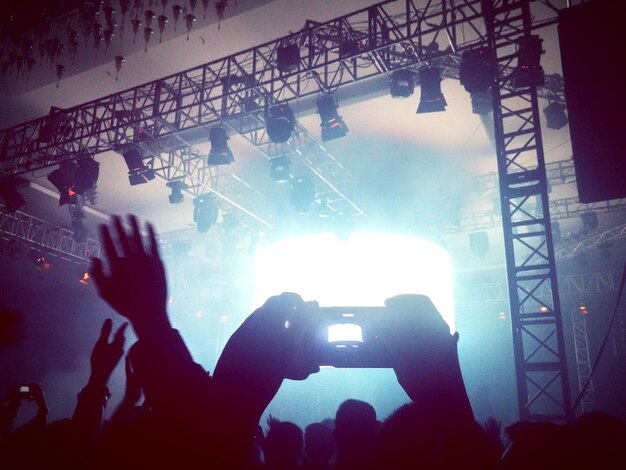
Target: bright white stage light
(362, 270)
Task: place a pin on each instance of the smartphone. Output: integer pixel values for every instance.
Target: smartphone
(349, 337)
(24, 389)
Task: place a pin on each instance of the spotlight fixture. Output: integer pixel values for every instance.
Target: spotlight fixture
(302, 194)
(583, 309)
(279, 122)
(204, 212)
(528, 68)
(555, 115)
(39, 260)
(86, 176)
(63, 179)
(219, 154)
(331, 123)
(9, 192)
(280, 169)
(431, 98)
(177, 187)
(84, 278)
(476, 71)
(349, 47)
(288, 58)
(482, 102)
(402, 83)
(138, 171)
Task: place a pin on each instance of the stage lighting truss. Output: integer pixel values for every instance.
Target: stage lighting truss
(331, 123)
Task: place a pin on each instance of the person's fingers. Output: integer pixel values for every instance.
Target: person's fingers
(154, 245)
(109, 246)
(119, 337)
(135, 235)
(127, 249)
(107, 326)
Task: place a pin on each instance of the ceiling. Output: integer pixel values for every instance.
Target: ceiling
(410, 166)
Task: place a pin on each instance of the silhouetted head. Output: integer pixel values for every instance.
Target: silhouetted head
(318, 442)
(282, 447)
(355, 429)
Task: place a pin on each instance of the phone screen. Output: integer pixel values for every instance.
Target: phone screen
(345, 332)
(24, 389)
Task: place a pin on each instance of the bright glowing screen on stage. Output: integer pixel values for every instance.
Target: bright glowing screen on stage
(362, 270)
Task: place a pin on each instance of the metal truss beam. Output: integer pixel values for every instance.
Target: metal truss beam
(174, 112)
(538, 342)
(583, 361)
(596, 240)
(494, 290)
(37, 233)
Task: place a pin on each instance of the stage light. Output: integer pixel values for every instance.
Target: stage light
(544, 309)
(476, 71)
(177, 187)
(9, 192)
(482, 102)
(39, 260)
(279, 122)
(288, 58)
(280, 169)
(302, 194)
(402, 83)
(219, 154)
(138, 171)
(84, 278)
(582, 308)
(56, 126)
(528, 68)
(349, 47)
(331, 123)
(431, 98)
(555, 115)
(204, 212)
(63, 179)
(86, 176)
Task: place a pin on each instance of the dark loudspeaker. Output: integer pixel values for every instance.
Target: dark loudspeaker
(589, 36)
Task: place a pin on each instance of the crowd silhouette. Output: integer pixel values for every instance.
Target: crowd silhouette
(176, 415)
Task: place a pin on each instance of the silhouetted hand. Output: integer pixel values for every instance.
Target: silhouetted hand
(36, 395)
(424, 352)
(135, 285)
(105, 356)
(269, 346)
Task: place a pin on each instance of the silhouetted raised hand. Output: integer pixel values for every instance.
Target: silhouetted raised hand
(106, 355)
(135, 285)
